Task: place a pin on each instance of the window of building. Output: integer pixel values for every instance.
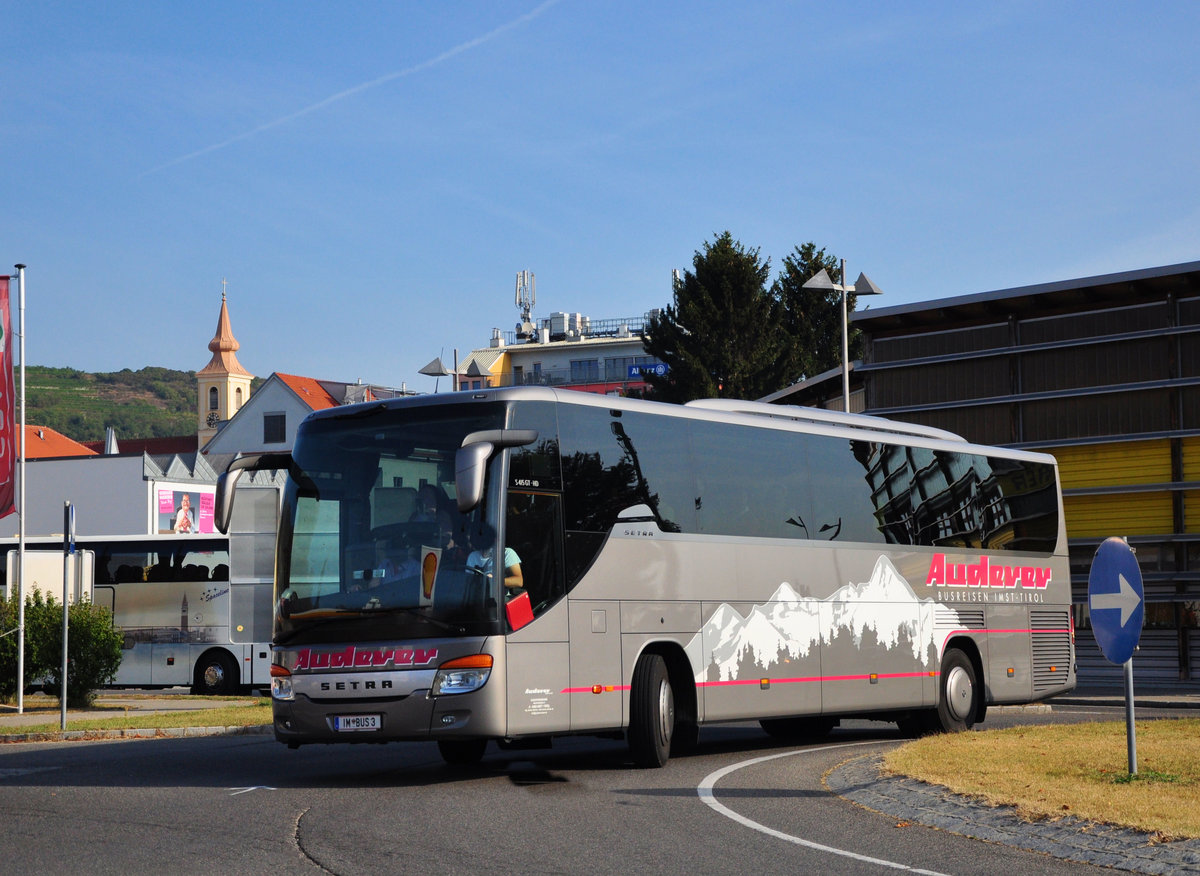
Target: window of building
(237, 398)
(585, 370)
(274, 428)
(213, 398)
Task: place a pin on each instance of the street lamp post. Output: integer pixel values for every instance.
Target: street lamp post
(862, 286)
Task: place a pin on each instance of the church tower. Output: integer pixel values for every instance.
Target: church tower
(223, 383)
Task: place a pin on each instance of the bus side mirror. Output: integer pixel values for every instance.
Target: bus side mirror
(223, 502)
(227, 482)
(470, 462)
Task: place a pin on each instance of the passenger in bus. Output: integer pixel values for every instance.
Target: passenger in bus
(427, 505)
(481, 560)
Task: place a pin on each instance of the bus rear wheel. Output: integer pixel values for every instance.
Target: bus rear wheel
(216, 675)
(651, 712)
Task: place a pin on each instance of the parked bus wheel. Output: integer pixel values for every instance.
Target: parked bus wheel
(216, 675)
(959, 698)
(651, 712)
(462, 752)
(790, 729)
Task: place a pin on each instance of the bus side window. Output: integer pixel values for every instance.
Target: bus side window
(533, 529)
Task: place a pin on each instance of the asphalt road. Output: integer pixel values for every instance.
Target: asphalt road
(245, 804)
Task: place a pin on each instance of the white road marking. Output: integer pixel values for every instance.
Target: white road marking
(706, 792)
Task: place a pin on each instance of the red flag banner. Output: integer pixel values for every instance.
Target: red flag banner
(8, 432)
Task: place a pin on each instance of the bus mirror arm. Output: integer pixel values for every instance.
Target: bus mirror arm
(227, 482)
(470, 462)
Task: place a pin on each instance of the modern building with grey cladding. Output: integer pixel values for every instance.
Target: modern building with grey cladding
(1102, 372)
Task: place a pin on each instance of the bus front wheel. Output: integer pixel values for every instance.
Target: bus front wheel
(651, 712)
(959, 700)
(216, 675)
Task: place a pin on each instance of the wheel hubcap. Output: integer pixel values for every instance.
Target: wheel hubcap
(666, 713)
(959, 693)
(214, 677)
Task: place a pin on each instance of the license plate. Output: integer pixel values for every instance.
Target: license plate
(347, 723)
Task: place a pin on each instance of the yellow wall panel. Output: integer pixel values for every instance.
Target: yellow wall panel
(1124, 514)
(1191, 511)
(1116, 464)
(1191, 459)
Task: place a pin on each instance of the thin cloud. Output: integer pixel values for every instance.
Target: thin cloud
(365, 86)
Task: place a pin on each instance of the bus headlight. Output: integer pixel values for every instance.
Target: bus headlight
(462, 675)
(281, 683)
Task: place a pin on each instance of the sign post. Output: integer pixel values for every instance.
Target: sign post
(68, 573)
(1117, 604)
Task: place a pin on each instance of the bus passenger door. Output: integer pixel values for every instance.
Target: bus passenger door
(537, 657)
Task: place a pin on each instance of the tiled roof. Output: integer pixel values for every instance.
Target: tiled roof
(309, 391)
(42, 442)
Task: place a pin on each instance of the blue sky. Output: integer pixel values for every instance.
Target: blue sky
(370, 177)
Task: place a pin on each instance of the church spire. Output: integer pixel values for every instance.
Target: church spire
(224, 345)
(224, 385)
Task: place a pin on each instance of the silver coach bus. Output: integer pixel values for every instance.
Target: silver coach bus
(663, 567)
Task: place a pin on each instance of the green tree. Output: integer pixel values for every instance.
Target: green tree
(720, 336)
(93, 651)
(811, 319)
(93, 648)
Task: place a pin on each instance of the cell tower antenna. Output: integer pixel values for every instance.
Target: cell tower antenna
(526, 298)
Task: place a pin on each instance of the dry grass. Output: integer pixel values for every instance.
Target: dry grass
(239, 713)
(1079, 770)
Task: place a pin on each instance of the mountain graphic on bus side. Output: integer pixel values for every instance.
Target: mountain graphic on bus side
(882, 613)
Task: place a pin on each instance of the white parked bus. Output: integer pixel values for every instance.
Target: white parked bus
(664, 567)
(184, 621)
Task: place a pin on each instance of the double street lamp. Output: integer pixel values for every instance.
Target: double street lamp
(862, 286)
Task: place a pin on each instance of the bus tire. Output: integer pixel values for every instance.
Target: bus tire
(216, 675)
(462, 752)
(958, 702)
(651, 712)
(798, 729)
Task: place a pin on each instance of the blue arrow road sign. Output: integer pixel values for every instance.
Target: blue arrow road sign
(1116, 600)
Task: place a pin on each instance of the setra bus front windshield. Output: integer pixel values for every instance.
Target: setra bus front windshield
(372, 545)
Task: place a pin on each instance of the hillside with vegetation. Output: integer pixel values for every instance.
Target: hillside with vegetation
(148, 403)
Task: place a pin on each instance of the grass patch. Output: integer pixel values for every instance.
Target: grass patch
(1079, 770)
(239, 713)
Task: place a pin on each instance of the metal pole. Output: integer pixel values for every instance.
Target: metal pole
(68, 568)
(1130, 729)
(21, 501)
(845, 345)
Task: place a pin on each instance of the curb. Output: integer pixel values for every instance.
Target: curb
(861, 781)
(144, 733)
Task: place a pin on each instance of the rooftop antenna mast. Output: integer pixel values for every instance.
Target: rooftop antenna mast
(525, 299)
